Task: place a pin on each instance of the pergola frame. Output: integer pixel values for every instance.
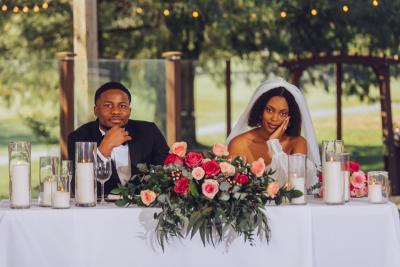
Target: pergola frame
(381, 67)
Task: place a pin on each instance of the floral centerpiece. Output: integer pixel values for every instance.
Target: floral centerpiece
(205, 192)
(358, 182)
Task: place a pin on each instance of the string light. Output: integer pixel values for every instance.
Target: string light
(16, 9)
(283, 14)
(45, 5)
(139, 10)
(166, 12)
(375, 3)
(25, 9)
(4, 8)
(195, 14)
(36, 9)
(314, 12)
(345, 8)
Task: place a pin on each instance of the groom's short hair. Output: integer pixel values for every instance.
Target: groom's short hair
(111, 85)
(257, 110)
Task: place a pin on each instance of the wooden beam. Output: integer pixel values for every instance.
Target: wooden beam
(66, 72)
(86, 50)
(172, 95)
(228, 85)
(339, 93)
(390, 157)
(304, 63)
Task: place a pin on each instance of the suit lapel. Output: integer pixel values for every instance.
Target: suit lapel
(134, 148)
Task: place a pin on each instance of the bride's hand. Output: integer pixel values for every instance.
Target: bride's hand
(280, 130)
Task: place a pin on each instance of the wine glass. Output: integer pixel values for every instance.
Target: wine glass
(103, 174)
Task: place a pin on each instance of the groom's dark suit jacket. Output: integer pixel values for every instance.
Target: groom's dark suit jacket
(148, 145)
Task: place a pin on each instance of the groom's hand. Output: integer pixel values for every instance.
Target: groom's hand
(114, 137)
(280, 131)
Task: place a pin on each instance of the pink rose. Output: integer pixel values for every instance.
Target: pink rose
(173, 159)
(193, 159)
(198, 173)
(179, 149)
(147, 197)
(181, 185)
(272, 189)
(358, 179)
(241, 178)
(210, 188)
(211, 168)
(227, 169)
(258, 167)
(220, 150)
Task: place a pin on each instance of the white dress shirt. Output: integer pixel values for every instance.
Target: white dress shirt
(121, 159)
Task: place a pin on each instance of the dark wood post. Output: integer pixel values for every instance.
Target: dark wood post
(339, 93)
(228, 84)
(172, 95)
(66, 72)
(295, 75)
(383, 74)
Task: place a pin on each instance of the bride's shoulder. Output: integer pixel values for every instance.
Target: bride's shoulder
(243, 138)
(298, 144)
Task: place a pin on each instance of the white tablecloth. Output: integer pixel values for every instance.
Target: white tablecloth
(355, 234)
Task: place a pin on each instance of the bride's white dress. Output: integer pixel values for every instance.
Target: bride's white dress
(279, 161)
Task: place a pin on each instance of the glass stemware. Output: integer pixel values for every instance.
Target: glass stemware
(104, 171)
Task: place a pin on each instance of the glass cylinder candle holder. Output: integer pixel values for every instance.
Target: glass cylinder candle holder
(333, 182)
(49, 171)
(345, 160)
(19, 162)
(377, 186)
(62, 195)
(297, 175)
(331, 146)
(85, 174)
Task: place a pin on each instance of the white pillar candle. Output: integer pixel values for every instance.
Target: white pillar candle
(346, 177)
(20, 193)
(85, 183)
(375, 193)
(333, 182)
(298, 184)
(61, 199)
(45, 195)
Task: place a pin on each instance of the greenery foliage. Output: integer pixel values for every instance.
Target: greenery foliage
(222, 197)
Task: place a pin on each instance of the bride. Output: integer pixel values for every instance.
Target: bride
(270, 128)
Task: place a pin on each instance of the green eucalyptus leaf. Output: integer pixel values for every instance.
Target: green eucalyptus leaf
(193, 189)
(224, 186)
(142, 167)
(224, 197)
(161, 198)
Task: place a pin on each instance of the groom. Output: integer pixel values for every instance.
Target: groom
(126, 142)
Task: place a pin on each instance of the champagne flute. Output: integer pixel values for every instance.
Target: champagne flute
(103, 174)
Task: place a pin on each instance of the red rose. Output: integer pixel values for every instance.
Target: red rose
(320, 177)
(181, 185)
(193, 159)
(173, 159)
(354, 166)
(211, 168)
(241, 179)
